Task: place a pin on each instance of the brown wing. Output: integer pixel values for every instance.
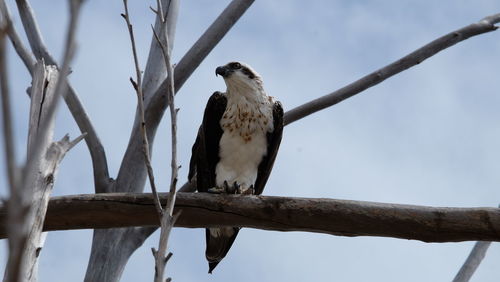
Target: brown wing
(205, 152)
(273, 144)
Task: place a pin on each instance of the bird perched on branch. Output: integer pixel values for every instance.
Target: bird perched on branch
(236, 146)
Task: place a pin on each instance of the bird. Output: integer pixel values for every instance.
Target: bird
(236, 146)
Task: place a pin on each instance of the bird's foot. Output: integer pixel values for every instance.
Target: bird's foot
(217, 190)
(225, 189)
(246, 190)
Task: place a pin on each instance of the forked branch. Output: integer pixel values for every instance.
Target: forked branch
(168, 219)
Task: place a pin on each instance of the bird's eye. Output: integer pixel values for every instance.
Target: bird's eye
(235, 66)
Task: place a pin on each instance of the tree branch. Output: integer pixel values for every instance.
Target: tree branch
(28, 203)
(155, 71)
(329, 216)
(416, 57)
(97, 153)
(472, 262)
(9, 144)
(21, 50)
(167, 220)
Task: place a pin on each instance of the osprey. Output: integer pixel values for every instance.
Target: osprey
(236, 146)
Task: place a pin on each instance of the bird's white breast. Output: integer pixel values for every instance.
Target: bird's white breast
(244, 140)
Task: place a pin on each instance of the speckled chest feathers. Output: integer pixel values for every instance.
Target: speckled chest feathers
(246, 122)
(245, 118)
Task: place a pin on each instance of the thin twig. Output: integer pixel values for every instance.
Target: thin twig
(408, 61)
(159, 10)
(168, 219)
(140, 101)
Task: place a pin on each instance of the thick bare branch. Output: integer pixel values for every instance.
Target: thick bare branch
(21, 205)
(99, 162)
(416, 57)
(329, 216)
(28, 203)
(9, 144)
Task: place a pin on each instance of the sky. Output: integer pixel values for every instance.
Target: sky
(427, 136)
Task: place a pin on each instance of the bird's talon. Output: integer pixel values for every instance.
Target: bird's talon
(229, 189)
(237, 187)
(216, 190)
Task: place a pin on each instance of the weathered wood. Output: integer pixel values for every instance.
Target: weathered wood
(32, 194)
(335, 217)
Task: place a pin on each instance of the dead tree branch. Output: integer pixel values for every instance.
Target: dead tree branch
(416, 57)
(168, 219)
(9, 145)
(329, 216)
(472, 262)
(28, 202)
(165, 215)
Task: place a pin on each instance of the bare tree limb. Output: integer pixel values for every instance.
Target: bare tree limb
(329, 216)
(472, 263)
(167, 220)
(9, 144)
(21, 215)
(99, 162)
(21, 50)
(416, 57)
(155, 71)
(28, 203)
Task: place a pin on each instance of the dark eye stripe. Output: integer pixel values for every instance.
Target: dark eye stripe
(248, 72)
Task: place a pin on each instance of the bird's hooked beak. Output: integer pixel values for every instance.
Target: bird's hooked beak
(223, 71)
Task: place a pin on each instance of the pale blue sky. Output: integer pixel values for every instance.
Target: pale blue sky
(428, 136)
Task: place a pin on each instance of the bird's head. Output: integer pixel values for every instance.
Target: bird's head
(239, 75)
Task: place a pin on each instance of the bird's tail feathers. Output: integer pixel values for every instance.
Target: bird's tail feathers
(219, 241)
